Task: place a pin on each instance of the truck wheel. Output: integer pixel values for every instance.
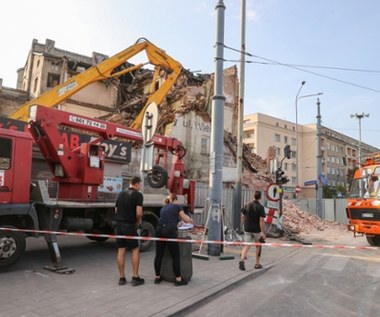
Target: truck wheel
(374, 241)
(157, 177)
(97, 239)
(147, 230)
(12, 247)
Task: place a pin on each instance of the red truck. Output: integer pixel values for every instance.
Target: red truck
(69, 201)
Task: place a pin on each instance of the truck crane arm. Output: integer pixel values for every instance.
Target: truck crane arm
(108, 69)
(79, 171)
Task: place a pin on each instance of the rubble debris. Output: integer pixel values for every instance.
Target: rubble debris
(300, 222)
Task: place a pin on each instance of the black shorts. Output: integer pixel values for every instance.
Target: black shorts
(126, 229)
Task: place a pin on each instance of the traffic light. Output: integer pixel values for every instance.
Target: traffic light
(279, 174)
(284, 180)
(287, 151)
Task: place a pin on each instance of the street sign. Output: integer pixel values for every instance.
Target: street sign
(310, 183)
(273, 192)
(288, 189)
(273, 204)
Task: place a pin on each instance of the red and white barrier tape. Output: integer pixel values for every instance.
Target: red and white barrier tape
(197, 241)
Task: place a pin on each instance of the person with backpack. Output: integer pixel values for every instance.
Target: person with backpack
(253, 215)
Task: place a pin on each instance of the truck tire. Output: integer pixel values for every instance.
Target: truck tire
(147, 230)
(97, 239)
(157, 177)
(106, 230)
(12, 247)
(374, 241)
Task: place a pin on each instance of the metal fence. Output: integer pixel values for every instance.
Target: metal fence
(334, 209)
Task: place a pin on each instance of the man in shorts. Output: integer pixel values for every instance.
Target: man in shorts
(253, 215)
(128, 217)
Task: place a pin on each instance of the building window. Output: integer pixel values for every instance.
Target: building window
(278, 151)
(53, 80)
(204, 146)
(293, 180)
(5, 156)
(249, 134)
(294, 141)
(286, 166)
(293, 154)
(277, 137)
(285, 139)
(35, 84)
(293, 167)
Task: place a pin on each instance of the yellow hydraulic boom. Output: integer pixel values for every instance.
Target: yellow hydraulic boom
(104, 70)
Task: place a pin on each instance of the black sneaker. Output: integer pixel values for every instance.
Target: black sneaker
(157, 280)
(241, 265)
(136, 281)
(122, 281)
(180, 283)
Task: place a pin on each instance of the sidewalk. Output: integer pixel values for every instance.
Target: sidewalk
(28, 290)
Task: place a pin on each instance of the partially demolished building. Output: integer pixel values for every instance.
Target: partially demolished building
(184, 114)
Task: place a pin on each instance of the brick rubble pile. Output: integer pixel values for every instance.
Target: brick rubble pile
(301, 222)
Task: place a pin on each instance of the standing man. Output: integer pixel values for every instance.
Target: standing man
(128, 217)
(253, 215)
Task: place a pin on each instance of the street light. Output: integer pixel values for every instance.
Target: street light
(360, 116)
(296, 103)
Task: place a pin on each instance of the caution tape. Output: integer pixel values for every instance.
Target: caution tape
(196, 241)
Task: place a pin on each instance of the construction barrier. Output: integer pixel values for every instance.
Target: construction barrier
(197, 241)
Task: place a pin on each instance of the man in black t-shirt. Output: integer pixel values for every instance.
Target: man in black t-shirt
(128, 217)
(253, 215)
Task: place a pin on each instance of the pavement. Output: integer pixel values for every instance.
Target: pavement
(28, 290)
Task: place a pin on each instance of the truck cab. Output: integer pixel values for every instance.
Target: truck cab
(363, 206)
(15, 166)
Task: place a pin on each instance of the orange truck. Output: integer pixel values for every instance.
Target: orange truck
(363, 206)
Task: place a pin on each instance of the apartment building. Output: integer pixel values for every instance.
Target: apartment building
(339, 152)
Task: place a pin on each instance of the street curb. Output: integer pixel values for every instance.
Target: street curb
(187, 306)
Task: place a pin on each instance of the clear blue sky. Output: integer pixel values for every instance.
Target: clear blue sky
(328, 33)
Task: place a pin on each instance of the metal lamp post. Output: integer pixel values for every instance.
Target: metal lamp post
(296, 103)
(360, 116)
(320, 211)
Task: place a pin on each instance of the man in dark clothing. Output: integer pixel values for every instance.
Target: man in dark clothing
(128, 217)
(253, 215)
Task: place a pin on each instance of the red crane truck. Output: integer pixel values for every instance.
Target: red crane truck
(78, 172)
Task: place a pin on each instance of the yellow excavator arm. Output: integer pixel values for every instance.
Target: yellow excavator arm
(104, 70)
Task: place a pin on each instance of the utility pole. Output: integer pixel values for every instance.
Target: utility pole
(217, 137)
(240, 131)
(320, 212)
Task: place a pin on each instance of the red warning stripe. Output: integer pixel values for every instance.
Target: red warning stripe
(196, 241)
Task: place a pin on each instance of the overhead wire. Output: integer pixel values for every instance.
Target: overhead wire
(298, 67)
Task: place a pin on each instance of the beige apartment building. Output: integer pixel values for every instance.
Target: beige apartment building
(339, 152)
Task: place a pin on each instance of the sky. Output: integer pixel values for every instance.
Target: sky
(332, 45)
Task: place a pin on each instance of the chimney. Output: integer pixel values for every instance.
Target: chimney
(49, 45)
